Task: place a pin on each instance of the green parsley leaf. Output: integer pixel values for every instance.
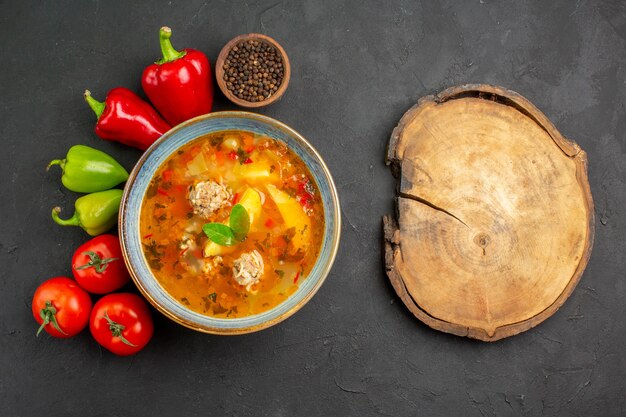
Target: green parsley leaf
(239, 222)
(220, 234)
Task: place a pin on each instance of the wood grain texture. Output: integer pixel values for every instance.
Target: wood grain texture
(495, 215)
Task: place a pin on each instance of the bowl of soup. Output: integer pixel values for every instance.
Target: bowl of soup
(230, 223)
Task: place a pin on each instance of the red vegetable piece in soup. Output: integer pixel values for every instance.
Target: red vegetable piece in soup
(232, 224)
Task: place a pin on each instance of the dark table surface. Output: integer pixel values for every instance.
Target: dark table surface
(354, 349)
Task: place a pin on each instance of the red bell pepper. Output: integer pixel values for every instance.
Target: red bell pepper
(180, 84)
(126, 118)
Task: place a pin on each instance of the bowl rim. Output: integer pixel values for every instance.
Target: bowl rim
(335, 232)
(219, 70)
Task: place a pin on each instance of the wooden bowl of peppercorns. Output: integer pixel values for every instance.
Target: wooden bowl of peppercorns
(252, 70)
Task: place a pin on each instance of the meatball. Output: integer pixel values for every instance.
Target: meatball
(206, 197)
(248, 269)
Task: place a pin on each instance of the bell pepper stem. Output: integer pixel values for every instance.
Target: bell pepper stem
(60, 162)
(96, 106)
(72, 221)
(169, 53)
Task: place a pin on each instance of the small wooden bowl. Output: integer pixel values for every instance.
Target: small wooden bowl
(219, 70)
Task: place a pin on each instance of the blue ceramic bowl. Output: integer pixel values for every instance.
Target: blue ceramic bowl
(136, 189)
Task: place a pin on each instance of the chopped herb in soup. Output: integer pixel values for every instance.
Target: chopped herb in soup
(232, 223)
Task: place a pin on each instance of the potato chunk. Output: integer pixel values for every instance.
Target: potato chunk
(293, 215)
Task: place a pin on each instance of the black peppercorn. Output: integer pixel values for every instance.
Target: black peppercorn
(253, 70)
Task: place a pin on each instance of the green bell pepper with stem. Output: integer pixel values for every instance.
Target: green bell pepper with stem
(87, 170)
(96, 213)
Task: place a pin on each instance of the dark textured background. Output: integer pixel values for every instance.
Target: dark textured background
(354, 349)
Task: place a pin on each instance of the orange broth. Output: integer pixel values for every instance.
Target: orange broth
(287, 233)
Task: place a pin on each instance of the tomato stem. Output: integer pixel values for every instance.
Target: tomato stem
(95, 261)
(48, 315)
(116, 330)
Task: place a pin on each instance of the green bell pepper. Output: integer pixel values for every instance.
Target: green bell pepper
(95, 213)
(87, 170)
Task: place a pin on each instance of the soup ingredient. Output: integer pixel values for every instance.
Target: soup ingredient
(124, 117)
(251, 202)
(87, 170)
(220, 234)
(179, 84)
(248, 269)
(306, 194)
(253, 70)
(239, 224)
(206, 197)
(258, 172)
(61, 307)
(293, 215)
(121, 323)
(98, 265)
(95, 213)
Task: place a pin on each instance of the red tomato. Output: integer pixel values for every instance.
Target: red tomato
(61, 307)
(122, 323)
(98, 265)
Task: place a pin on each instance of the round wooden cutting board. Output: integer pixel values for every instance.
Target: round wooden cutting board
(494, 223)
